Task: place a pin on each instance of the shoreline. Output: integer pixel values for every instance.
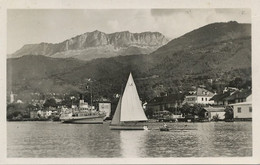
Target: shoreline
(149, 121)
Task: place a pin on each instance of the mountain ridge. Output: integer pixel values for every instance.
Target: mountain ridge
(96, 44)
(172, 68)
(211, 33)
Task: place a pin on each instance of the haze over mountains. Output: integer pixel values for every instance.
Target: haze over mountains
(219, 51)
(96, 44)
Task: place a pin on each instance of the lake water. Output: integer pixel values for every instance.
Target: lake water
(53, 139)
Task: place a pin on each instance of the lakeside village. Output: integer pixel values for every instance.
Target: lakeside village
(199, 105)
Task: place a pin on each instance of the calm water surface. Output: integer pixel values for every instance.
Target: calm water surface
(53, 139)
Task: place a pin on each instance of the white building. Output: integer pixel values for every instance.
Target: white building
(42, 114)
(243, 110)
(200, 96)
(218, 112)
(48, 113)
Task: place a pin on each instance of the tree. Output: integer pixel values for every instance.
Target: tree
(149, 113)
(50, 103)
(14, 114)
(237, 82)
(191, 111)
(199, 111)
(66, 101)
(215, 118)
(30, 107)
(186, 109)
(228, 113)
(247, 84)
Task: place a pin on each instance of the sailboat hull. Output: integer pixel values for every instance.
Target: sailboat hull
(125, 127)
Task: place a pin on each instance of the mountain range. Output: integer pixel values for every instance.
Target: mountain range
(219, 52)
(97, 44)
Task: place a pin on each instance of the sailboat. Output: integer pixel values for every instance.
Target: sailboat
(129, 110)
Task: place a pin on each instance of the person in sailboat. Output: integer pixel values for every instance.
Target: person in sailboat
(145, 128)
(165, 125)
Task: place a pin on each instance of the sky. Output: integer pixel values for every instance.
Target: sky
(30, 26)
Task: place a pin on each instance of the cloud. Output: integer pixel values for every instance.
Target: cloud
(233, 11)
(167, 12)
(176, 22)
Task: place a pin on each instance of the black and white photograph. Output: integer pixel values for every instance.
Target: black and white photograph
(129, 83)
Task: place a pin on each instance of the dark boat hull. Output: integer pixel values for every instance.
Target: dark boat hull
(164, 129)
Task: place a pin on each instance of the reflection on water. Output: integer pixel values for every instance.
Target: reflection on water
(205, 139)
(53, 139)
(132, 143)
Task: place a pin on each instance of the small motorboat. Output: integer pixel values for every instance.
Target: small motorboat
(164, 129)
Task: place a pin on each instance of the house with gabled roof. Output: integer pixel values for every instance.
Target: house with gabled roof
(239, 96)
(199, 96)
(219, 98)
(231, 96)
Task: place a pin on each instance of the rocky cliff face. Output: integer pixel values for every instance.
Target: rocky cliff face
(97, 44)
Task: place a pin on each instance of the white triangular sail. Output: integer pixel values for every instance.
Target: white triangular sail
(131, 108)
(116, 117)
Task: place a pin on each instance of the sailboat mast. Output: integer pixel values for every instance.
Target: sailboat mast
(91, 96)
